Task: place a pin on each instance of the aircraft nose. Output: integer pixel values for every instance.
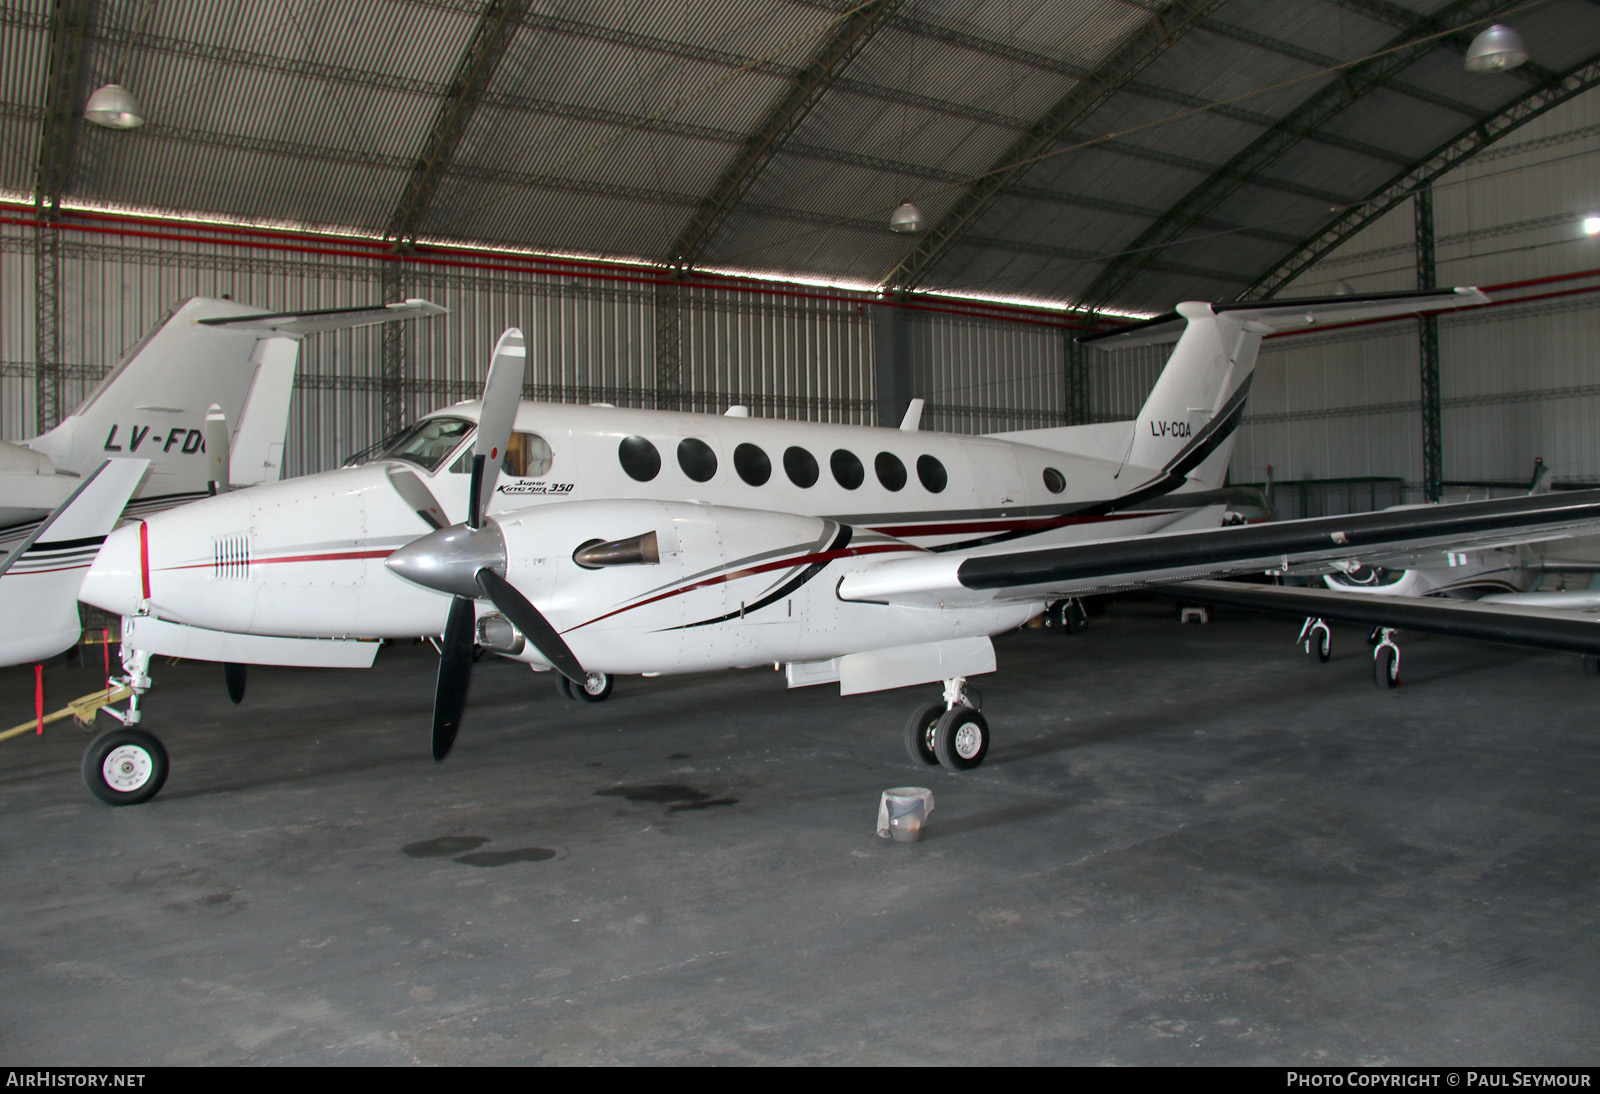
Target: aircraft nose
(117, 581)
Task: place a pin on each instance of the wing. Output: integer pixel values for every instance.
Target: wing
(1518, 626)
(1286, 546)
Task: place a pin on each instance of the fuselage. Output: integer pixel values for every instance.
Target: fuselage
(305, 557)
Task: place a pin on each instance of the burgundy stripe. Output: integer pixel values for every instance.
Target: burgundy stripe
(804, 560)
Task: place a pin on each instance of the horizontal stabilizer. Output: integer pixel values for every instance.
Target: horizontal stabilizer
(1277, 317)
(297, 324)
(39, 579)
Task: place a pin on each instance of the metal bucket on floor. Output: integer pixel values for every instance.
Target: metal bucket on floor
(903, 813)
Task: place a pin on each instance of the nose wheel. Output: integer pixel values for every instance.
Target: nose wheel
(596, 687)
(125, 766)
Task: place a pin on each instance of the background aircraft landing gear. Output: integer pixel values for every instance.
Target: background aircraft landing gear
(1386, 660)
(125, 766)
(596, 687)
(1067, 616)
(1316, 639)
(952, 734)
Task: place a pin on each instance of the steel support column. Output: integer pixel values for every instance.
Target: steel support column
(1078, 408)
(392, 367)
(891, 362)
(1428, 340)
(669, 344)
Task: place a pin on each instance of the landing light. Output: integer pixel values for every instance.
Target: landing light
(1591, 225)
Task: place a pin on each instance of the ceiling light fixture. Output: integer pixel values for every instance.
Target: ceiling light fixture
(1498, 49)
(114, 106)
(906, 218)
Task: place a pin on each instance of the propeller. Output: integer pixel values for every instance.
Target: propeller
(468, 560)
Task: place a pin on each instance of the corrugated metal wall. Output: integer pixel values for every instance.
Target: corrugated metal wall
(592, 341)
(1517, 381)
(984, 375)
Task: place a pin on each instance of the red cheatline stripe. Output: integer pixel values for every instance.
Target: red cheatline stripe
(804, 560)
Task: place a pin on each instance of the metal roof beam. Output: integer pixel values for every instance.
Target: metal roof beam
(808, 85)
(1449, 155)
(1316, 111)
(1152, 38)
(1017, 246)
(69, 28)
(1320, 60)
(496, 27)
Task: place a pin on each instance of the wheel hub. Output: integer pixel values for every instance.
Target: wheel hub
(127, 768)
(969, 738)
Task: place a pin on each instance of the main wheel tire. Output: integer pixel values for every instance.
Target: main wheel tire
(596, 687)
(564, 686)
(918, 734)
(1385, 667)
(125, 766)
(961, 739)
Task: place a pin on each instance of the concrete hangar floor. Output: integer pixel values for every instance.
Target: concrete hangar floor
(1189, 844)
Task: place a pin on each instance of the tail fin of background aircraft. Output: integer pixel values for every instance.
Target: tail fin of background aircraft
(1186, 429)
(153, 403)
(39, 579)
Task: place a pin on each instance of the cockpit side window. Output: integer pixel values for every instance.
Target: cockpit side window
(426, 443)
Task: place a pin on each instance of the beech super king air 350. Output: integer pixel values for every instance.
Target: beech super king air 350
(596, 540)
(199, 404)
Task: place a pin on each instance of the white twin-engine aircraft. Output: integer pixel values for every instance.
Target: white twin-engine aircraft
(598, 541)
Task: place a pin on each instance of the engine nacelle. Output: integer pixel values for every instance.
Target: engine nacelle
(645, 586)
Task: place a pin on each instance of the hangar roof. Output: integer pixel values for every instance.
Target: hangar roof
(1117, 153)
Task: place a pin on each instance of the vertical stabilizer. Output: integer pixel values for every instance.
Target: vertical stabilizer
(1185, 432)
(152, 405)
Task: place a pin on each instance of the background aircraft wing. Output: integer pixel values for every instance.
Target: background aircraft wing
(1285, 546)
(1543, 628)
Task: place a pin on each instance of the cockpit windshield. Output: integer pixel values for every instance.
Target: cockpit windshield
(425, 443)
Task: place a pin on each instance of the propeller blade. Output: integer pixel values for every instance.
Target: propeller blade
(502, 391)
(233, 675)
(475, 494)
(455, 674)
(532, 623)
(418, 496)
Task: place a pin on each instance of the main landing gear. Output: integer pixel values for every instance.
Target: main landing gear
(1317, 641)
(126, 765)
(952, 734)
